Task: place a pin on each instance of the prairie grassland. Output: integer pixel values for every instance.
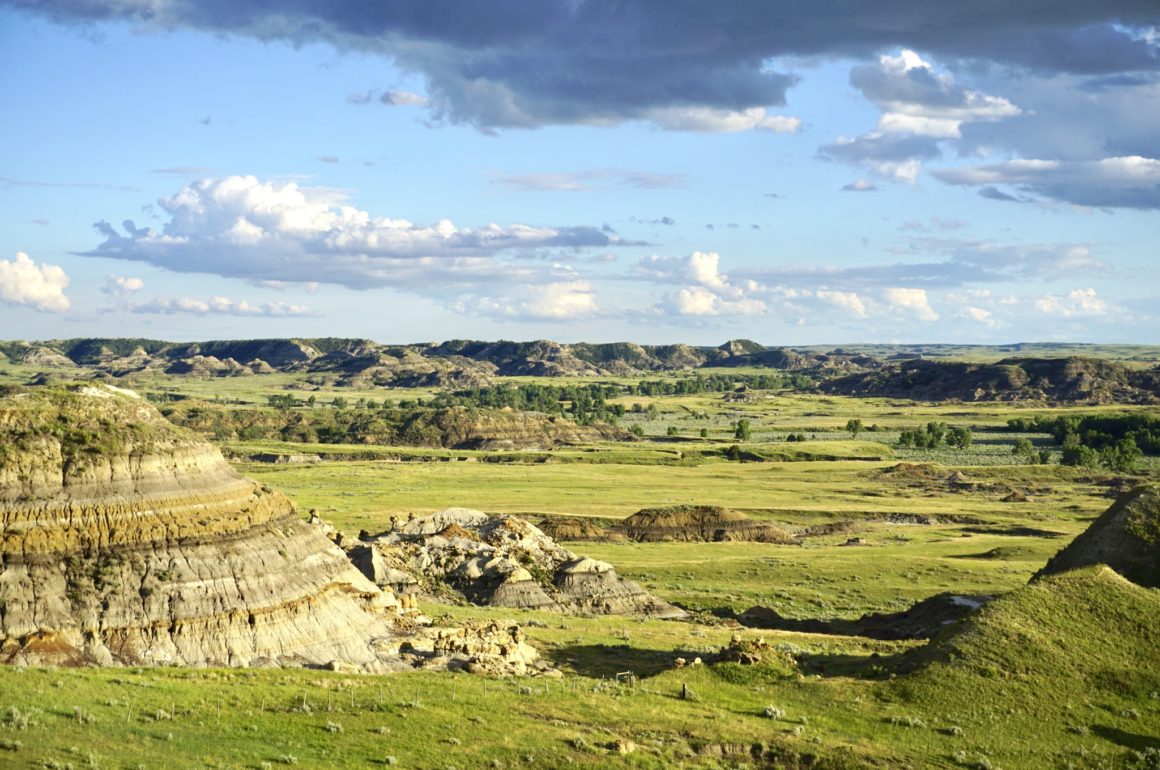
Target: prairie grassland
(1011, 695)
(364, 494)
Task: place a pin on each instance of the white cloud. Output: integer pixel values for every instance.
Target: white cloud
(708, 291)
(120, 288)
(561, 301)
(698, 301)
(847, 300)
(218, 306)
(242, 227)
(1077, 303)
(23, 282)
(920, 109)
(917, 100)
(710, 120)
(911, 301)
(703, 269)
(979, 315)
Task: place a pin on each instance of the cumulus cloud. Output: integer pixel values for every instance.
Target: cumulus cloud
(919, 109)
(847, 300)
(242, 227)
(1077, 303)
(911, 301)
(23, 282)
(707, 291)
(1131, 182)
(978, 315)
(561, 301)
(915, 99)
(506, 65)
(120, 288)
(218, 306)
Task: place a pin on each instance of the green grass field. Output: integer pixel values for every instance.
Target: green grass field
(1062, 674)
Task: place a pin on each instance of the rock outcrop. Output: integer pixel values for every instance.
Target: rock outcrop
(500, 561)
(698, 523)
(1126, 537)
(127, 540)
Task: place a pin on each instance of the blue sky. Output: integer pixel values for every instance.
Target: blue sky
(656, 172)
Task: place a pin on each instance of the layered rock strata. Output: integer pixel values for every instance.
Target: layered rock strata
(500, 561)
(127, 540)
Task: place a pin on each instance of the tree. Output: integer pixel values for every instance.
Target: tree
(704, 433)
(854, 426)
(636, 430)
(1075, 453)
(671, 430)
(1122, 457)
(741, 430)
(960, 437)
(1024, 450)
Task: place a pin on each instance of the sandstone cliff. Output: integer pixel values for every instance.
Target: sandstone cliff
(127, 540)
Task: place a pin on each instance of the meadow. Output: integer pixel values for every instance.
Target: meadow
(914, 523)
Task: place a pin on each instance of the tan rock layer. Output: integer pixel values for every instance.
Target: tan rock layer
(126, 540)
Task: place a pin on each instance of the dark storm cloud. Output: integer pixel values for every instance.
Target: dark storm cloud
(511, 63)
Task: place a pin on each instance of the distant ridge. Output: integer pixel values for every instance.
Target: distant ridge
(1074, 379)
(902, 371)
(454, 363)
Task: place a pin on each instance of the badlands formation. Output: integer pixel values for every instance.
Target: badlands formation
(129, 541)
(501, 561)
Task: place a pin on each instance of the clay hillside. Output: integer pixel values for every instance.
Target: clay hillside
(1073, 380)
(127, 540)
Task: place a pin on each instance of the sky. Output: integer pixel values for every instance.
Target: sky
(656, 171)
